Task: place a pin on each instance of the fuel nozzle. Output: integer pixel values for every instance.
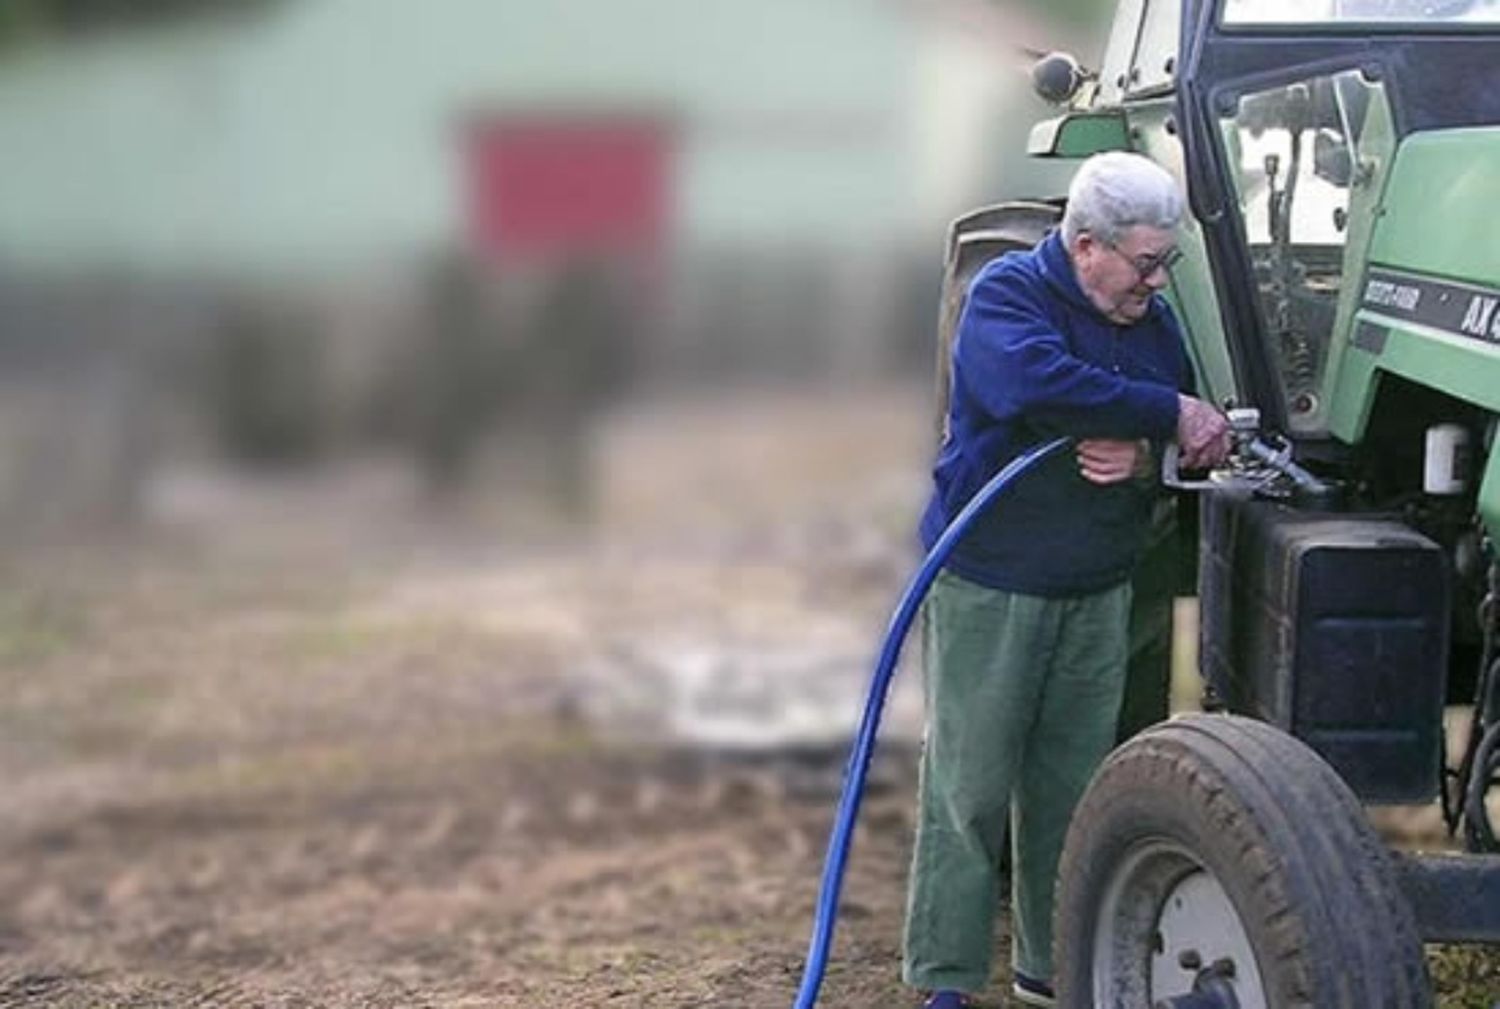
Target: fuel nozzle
(1260, 463)
(1244, 430)
(1244, 425)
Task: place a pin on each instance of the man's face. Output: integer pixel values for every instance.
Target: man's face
(1120, 278)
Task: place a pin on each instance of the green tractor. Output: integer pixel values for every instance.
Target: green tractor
(1341, 295)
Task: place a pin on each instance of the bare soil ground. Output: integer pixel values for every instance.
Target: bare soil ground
(313, 744)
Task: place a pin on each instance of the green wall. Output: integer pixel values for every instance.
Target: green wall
(323, 133)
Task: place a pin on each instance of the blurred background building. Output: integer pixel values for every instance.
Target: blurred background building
(279, 231)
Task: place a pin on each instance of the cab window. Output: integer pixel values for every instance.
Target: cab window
(1295, 153)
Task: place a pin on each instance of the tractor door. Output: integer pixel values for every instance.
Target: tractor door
(1303, 158)
(1284, 155)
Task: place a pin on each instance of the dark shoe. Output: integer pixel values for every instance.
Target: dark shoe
(946, 999)
(1030, 991)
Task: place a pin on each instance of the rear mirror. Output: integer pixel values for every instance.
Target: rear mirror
(1057, 77)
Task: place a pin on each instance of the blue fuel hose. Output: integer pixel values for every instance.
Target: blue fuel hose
(864, 744)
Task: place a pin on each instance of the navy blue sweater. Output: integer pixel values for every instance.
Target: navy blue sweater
(1033, 359)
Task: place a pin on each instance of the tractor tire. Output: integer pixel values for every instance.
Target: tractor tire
(1217, 863)
(974, 240)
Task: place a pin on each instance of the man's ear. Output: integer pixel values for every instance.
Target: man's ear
(1084, 244)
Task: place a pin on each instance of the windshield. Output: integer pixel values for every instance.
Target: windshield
(1414, 13)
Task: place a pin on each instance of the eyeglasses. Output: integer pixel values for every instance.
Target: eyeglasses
(1146, 266)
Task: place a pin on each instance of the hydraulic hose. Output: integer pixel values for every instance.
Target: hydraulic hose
(1480, 832)
(864, 744)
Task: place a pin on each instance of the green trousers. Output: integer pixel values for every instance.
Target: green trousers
(1022, 696)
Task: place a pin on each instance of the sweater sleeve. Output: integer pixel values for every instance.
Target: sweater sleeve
(1015, 363)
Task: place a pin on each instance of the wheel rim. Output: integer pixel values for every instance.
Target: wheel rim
(1167, 925)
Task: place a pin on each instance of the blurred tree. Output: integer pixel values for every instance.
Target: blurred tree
(21, 19)
(268, 390)
(25, 20)
(575, 361)
(457, 380)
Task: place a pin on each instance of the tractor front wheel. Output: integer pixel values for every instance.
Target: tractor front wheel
(1218, 863)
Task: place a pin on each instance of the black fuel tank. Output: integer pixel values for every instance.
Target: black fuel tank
(1334, 628)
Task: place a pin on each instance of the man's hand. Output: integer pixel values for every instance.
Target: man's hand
(1108, 460)
(1202, 433)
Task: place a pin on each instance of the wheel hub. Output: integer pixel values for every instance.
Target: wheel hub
(1212, 989)
(1164, 903)
(1198, 947)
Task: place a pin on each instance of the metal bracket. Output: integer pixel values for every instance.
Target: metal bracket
(1456, 898)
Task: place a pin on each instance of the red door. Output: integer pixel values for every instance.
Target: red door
(558, 187)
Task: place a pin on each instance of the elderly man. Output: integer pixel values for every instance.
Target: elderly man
(1025, 630)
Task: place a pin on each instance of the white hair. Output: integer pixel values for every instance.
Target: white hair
(1116, 191)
